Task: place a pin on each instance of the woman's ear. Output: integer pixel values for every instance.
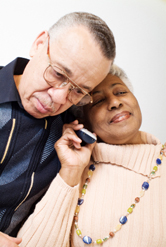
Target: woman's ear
(38, 43)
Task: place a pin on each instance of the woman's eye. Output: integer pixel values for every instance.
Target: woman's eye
(97, 102)
(121, 92)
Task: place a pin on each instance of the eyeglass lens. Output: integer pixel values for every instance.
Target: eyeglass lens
(55, 78)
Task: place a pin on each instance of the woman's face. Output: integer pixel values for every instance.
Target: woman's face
(114, 115)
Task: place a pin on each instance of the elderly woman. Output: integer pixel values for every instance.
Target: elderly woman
(123, 203)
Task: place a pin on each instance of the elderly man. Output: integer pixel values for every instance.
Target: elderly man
(66, 64)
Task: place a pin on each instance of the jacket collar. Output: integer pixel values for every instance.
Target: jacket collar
(8, 90)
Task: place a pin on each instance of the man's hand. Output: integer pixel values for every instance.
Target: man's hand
(7, 241)
(73, 157)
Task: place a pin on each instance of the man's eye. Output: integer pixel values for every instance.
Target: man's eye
(59, 75)
(78, 90)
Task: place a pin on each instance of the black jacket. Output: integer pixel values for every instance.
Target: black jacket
(28, 160)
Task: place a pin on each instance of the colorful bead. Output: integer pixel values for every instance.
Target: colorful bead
(87, 180)
(76, 218)
(99, 241)
(83, 191)
(129, 210)
(80, 201)
(158, 161)
(137, 199)
(77, 209)
(87, 240)
(112, 234)
(160, 157)
(105, 239)
(145, 185)
(78, 232)
(118, 227)
(90, 173)
(92, 167)
(123, 220)
(85, 186)
(142, 193)
(155, 168)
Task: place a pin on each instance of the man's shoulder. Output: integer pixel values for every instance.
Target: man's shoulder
(17, 65)
(67, 116)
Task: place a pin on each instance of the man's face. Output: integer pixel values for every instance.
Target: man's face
(75, 52)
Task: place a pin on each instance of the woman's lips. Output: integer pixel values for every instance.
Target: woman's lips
(120, 117)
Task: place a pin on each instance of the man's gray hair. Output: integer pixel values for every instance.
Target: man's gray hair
(97, 27)
(117, 71)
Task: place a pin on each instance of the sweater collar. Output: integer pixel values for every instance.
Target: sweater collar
(140, 158)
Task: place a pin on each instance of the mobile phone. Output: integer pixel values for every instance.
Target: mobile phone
(86, 135)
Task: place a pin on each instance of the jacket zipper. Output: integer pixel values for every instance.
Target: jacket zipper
(30, 188)
(9, 140)
(46, 123)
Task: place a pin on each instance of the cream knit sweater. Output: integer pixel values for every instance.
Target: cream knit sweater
(116, 182)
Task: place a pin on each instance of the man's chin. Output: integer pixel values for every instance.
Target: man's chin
(37, 111)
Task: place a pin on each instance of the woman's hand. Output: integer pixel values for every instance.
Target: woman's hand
(73, 157)
(7, 241)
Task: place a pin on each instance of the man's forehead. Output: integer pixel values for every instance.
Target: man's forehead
(80, 58)
(73, 44)
(76, 38)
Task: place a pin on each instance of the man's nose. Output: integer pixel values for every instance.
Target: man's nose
(59, 95)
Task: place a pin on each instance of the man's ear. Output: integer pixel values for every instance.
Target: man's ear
(38, 43)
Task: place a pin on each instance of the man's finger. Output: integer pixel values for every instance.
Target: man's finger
(74, 125)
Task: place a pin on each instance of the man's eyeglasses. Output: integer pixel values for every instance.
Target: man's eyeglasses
(57, 78)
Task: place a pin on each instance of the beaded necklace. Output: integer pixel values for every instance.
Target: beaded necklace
(123, 219)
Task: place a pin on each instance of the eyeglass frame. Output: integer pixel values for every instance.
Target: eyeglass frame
(72, 83)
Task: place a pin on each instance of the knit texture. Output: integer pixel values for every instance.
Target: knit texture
(51, 222)
(116, 182)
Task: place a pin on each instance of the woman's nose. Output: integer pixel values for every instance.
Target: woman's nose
(114, 103)
(59, 95)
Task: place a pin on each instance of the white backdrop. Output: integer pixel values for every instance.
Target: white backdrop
(139, 27)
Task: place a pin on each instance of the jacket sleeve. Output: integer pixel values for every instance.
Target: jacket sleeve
(50, 224)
